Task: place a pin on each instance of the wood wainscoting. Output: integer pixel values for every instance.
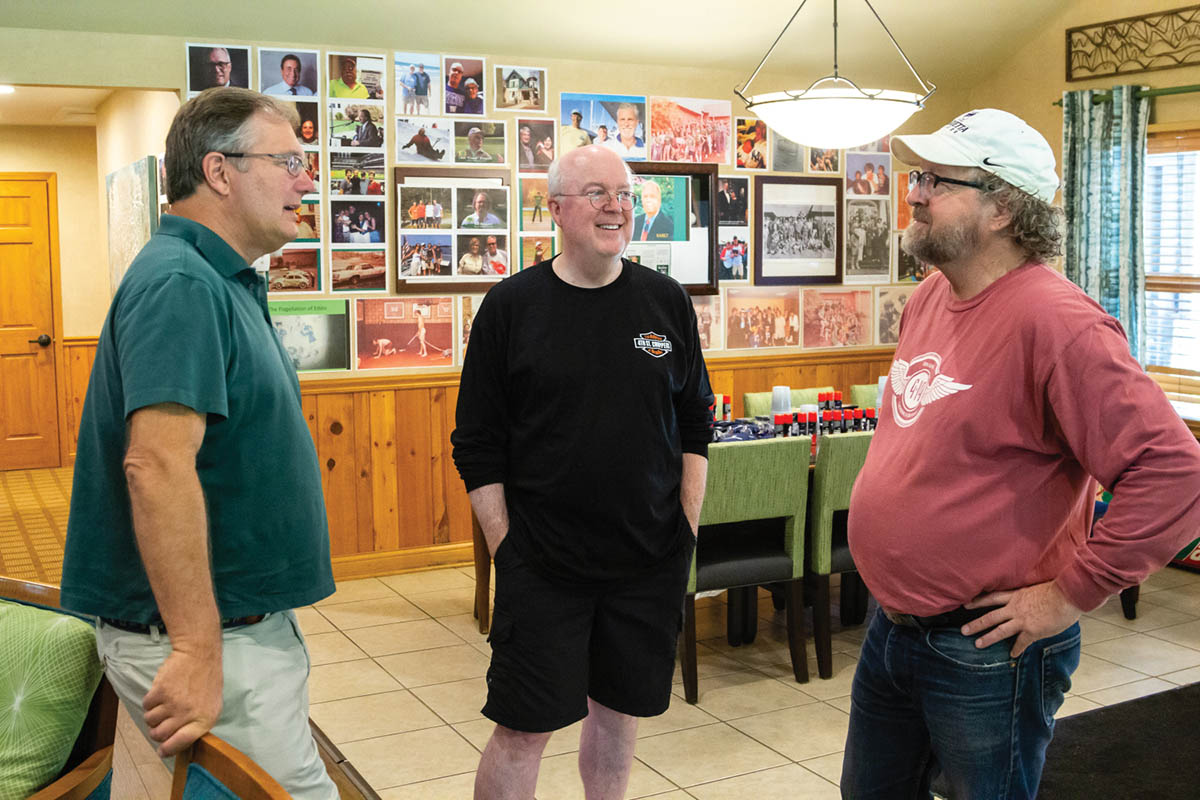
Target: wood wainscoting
(394, 499)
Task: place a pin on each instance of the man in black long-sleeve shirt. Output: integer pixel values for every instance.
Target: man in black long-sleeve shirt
(582, 437)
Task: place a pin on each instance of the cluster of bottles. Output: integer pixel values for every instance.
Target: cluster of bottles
(826, 417)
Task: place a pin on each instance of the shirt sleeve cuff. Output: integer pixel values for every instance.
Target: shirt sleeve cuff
(1079, 587)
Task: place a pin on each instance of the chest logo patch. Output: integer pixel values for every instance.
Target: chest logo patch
(916, 384)
(653, 343)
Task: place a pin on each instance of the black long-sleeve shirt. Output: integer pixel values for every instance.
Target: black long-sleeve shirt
(582, 403)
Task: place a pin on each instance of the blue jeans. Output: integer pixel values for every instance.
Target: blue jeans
(928, 702)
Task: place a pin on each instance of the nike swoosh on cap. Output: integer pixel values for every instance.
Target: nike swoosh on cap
(990, 163)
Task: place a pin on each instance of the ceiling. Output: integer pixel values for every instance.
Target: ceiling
(57, 106)
(953, 43)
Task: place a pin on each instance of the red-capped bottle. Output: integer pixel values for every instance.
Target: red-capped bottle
(837, 401)
(860, 422)
(812, 423)
(782, 423)
(870, 420)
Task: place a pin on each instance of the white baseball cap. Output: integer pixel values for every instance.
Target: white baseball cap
(992, 140)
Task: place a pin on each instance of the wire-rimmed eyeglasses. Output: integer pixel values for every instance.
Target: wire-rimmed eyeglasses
(293, 163)
(599, 197)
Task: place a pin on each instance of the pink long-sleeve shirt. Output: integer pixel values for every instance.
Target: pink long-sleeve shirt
(998, 413)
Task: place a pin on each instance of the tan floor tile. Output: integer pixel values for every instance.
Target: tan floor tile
(477, 731)
(710, 622)
(1145, 654)
(1095, 674)
(139, 747)
(361, 589)
(326, 648)
(709, 662)
(840, 703)
(402, 637)
(1150, 615)
(679, 716)
(677, 794)
(1129, 691)
(439, 665)
(456, 787)
(1187, 634)
(740, 694)
(374, 715)
(432, 580)
(1094, 631)
(126, 782)
(363, 613)
(458, 701)
(1075, 705)
(312, 622)
(446, 602)
(828, 767)
(1168, 578)
(702, 755)
(466, 627)
(559, 779)
(157, 780)
(409, 757)
(799, 733)
(770, 646)
(837, 685)
(348, 679)
(1185, 598)
(780, 783)
(1183, 677)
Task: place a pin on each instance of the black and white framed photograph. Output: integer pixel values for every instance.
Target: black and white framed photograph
(868, 240)
(889, 304)
(786, 155)
(798, 230)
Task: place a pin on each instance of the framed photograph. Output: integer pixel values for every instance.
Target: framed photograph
(734, 251)
(708, 320)
(903, 209)
(752, 145)
(837, 317)
(404, 332)
(883, 145)
(535, 144)
(535, 216)
(786, 155)
(418, 83)
(464, 90)
(356, 76)
(889, 303)
(683, 195)
(824, 160)
(309, 132)
(909, 269)
(465, 204)
(132, 196)
(315, 333)
(519, 88)
(427, 140)
(308, 221)
(355, 124)
(535, 249)
(480, 142)
(733, 200)
(690, 130)
(289, 74)
(294, 269)
(312, 165)
(798, 231)
(358, 270)
(616, 121)
(468, 307)
(212, 66)
(868, 240)
(867, 174)
(762, 317)
(357, 221)
(354, 173)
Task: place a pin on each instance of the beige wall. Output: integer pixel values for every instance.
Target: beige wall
(71, 153)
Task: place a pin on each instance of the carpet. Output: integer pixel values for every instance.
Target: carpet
(1142, 748)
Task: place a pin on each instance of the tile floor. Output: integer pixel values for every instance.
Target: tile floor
(397, 684)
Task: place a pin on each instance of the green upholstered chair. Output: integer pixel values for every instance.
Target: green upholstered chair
(748, 481)
(57, 741)
(213, 769)
(839, 460)
(864, 395)
(755, 404)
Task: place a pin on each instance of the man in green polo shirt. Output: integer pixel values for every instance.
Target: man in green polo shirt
(197, 521)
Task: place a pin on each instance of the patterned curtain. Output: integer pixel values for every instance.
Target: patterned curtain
(1104, 150)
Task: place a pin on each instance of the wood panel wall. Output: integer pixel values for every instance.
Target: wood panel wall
(394, 499)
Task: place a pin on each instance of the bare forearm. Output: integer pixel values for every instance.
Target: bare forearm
(491, 509)
(691, 487)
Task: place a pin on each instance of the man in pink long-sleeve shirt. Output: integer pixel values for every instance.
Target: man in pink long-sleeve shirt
(1011, 393)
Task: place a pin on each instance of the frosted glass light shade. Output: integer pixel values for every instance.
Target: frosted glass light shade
(835, 118)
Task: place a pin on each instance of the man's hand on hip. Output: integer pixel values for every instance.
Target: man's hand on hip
(184, 701)
(1031, 613)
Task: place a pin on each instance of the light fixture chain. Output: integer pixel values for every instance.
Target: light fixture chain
(928, 87)
(835, 32)
(758, 69)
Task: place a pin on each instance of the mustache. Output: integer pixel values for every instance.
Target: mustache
(920, 214)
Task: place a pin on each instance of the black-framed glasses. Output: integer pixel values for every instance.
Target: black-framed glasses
(293, 163)
(928, 181)
(599, 197)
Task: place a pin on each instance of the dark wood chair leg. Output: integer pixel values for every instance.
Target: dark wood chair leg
(687, 661)
(735, 616)
(483, 575)
(821, 627)
(853, 599)
(1129, 598)
(779, 593)
(795, 629)
(750, 614)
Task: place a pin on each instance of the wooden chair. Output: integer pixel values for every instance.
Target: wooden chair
(756, 404)
(212, 763)
(750, 481)
(89, 764)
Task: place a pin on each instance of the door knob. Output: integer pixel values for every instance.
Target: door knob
(43, 340)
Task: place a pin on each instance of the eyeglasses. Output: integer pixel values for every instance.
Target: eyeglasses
(599, 197)
(293, 163)
(928, 181)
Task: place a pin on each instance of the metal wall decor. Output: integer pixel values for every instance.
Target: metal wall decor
(1162, 40)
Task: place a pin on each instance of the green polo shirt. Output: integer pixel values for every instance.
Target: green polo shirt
(189, 325)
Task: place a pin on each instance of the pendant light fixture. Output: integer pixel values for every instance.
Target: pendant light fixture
(833, 112)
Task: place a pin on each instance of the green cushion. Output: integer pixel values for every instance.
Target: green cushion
(839, 460)
(49, 671)
(756, 404)
(864, 395)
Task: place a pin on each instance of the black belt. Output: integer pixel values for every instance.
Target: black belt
(142, 627)
(951, 619)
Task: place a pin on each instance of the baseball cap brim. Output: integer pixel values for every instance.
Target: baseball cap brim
(932, 147)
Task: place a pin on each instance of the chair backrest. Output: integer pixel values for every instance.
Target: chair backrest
(756, 404)
(865, 395)
(759, 479)
(63, 737)
(213, 769)
(839, 460)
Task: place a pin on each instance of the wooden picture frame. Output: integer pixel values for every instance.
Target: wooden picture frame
(495, 177)
(782, 256)
(702, 212)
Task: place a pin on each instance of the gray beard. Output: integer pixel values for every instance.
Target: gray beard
(945, 246)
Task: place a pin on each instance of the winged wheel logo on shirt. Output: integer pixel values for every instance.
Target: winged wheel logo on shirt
(916, 384)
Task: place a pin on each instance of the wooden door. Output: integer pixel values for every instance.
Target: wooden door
(28, 391)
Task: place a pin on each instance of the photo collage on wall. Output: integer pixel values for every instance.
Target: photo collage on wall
(453, 230)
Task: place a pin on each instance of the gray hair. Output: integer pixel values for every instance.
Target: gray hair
(216, 120)
(631, 107)
(1036, 226)
(554, 177)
